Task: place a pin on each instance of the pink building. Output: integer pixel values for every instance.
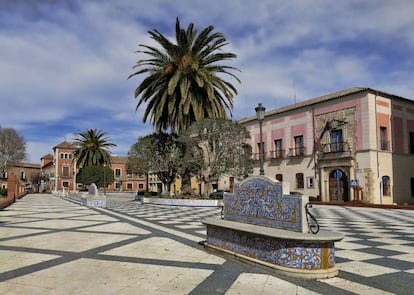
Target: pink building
(333, 146)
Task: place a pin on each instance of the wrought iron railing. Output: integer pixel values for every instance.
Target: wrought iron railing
(385, 145)
(277, 154)
(256, 156)
(336, 147)
(297, 151)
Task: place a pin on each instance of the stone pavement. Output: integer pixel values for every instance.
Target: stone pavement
(53, 246)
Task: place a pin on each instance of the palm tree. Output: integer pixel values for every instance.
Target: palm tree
(92, 148)
(183, 83)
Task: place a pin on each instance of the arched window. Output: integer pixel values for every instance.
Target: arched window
(386, 185)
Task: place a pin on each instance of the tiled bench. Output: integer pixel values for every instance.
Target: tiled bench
(262, 225)
(294, 253)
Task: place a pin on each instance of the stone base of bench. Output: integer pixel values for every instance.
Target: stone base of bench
(291, 253)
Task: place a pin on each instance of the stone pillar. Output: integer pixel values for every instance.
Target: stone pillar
(12, 187)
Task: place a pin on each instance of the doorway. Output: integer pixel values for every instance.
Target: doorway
(338, 186)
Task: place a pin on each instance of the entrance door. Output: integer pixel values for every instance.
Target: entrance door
(338, 186)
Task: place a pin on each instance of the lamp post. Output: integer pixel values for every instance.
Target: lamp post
(104, 178)
(260, 114)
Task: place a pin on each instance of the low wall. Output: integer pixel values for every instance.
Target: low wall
(15, 190)
(6, 202)
(183, 202)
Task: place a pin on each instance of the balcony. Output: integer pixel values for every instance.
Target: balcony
(335, 150)
(277, 154)
(256, 156)
(297, 151)
(385, 145)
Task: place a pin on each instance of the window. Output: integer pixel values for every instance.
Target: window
(278, 148)
(65, 156)
(22, 176)
(118, 185)
(411, 142)
(65, 184)
(65, 171)
(117, 172)
(383, 139)
(386, 186)
(299, 146)
(299, 180)
(129, 185)
(336, 140)
(310, 181)
(4, 175)
(279, 177)
(140, 186)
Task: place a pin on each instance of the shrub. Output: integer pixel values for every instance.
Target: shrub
(3, 192)
(150, 194)
(216, 196)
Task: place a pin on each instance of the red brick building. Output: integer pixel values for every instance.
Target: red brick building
(59, 172)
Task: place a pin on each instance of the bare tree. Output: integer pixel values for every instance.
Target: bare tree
(217, 147)
(12, 147)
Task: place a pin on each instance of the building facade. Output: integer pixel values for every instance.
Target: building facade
(352, 144)
(59, 172)
(125, 181)
(28, 174)
(64, 174)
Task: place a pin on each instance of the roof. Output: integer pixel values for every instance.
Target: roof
(48, 156)
(24, 165)
(64, 145)
(119, 160)
(327, 97)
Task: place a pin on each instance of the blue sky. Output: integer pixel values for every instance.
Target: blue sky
(64, 64)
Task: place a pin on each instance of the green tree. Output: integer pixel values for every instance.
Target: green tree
(92, 148)
(140, 156)
(184, 82)
(159, 153)
(100, 175)
(12, 147)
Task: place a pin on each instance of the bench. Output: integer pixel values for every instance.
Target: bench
(261, 225)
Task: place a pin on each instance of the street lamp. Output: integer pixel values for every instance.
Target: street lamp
(104, 179)
(260, 114)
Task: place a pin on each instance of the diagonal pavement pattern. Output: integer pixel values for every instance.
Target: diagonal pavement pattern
(50, 245)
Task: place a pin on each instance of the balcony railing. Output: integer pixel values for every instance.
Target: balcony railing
(297, 151)
(385, 145)
(336, 147)
(256, 156)
(277, 154)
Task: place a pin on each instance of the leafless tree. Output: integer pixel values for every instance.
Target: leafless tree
(12, 147)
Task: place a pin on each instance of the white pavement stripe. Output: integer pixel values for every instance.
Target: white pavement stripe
(154, 226)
